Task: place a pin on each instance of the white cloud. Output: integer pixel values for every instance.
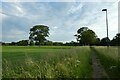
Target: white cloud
(2, 17)
(19, 9)
(14, 34)
(63, 22)
(20, 0)
(13, 9)
(59, 0)
(73, 9)
(55, 27)
(95, 20)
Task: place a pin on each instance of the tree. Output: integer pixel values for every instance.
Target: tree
(48, 43)
(39, 33)
(97, 42)
(86, 36)
(22, 43)
(12, 43)
(57, 43)
(79, 33)
(116, 40)
(105, 41)
(72, 43)
(31, 43)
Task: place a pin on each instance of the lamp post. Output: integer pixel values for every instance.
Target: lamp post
(106, 25)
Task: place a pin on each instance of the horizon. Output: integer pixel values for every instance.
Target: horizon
(63, 18)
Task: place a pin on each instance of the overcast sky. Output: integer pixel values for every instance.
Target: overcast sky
(63, 19)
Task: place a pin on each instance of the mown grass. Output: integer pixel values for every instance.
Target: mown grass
(109, 58)
(46, 62)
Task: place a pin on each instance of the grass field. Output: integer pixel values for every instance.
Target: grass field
(109, 58)
(55, 61)
(46, 62)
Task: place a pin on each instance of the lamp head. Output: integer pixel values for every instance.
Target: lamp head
(104, 9)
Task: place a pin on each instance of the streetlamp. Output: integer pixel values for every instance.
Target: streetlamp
(106, 24)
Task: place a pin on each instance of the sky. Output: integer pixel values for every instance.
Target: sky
(63, 18)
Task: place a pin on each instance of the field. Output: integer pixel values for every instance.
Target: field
(56, 61)
(109, 58)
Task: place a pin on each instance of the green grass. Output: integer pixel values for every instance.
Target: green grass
(109, 59)
(46, 62)
(56, 61)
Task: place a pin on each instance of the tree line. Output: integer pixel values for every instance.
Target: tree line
(84, 36)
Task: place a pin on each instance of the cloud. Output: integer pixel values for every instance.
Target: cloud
(73, 9)
(94, 19)
(20, 0)
(55, 27)
(59, 0)
(19, 9)
(14, 35)
(13, 9)
(63, 19)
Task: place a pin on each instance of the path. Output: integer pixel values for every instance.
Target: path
(98, 70)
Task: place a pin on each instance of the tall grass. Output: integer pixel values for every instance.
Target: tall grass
(109, 59)
(46, 62)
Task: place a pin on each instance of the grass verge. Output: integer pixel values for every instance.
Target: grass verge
(109, 59)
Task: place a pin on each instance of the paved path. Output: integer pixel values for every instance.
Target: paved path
(98, 70)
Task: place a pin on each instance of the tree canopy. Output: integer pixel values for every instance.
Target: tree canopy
(116, 40)
(39, 33)
(86, 36)
(105, 41)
